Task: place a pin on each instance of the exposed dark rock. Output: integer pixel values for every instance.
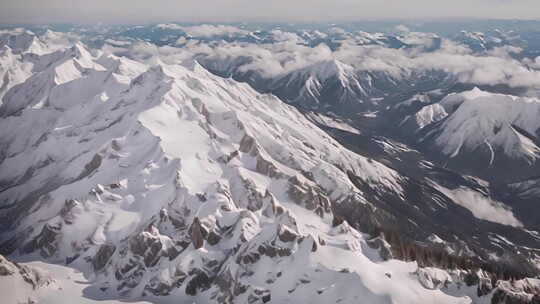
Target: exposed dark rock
(149, 246)
(337, 220)
(286, 235)
(213, 238)
(314, 246)
(158, 288)
(227, 158)
(319, 211)
(199, 282)
(163, 215)
(272, 251)
(273, 208)
(224, 281)
(516, 292)
(259, 295)
(70, 259)
(103, 255)
(197, 238)
(91, 167)
(202, 197)
(311, 197)
(503, 297)
(384, 248)
(133, 278)
(248, 145)
(66, 213)
(6, 267)
(267, 168)
(250, 258)
(45, 242)
(471, 279)
(240, 288)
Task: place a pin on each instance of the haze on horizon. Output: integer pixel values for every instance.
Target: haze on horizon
(132, 11)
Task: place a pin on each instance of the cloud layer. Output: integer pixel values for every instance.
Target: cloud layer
(289, 52)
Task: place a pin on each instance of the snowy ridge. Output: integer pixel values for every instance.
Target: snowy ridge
(22, 41)
(12, 70)
(22, 53)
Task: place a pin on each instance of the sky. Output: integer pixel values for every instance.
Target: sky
(133, 11)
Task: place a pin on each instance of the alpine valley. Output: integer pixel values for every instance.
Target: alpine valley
(270, 163)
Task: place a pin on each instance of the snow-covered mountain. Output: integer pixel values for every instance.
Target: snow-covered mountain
(22, 41)
(497, 130)
(22, 53)
(325, 84)
(172, 184)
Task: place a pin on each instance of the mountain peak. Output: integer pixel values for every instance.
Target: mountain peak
(325, 69)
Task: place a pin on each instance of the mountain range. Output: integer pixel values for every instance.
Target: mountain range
(268, 167)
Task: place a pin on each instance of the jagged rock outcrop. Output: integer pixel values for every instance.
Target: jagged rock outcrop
(103, 255)
(45, 242)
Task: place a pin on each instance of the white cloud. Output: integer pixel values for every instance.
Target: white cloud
(290, 53)
(482, 207)
(402, 28)
(535, 64)
(207, 30)
(279, 35)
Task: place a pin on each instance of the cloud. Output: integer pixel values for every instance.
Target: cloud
(148, 53)
(482, 207)
(281, 36)
(207, 30)
(290, 52)
(483, 69)
(491, 68)
(402, 28)
(534, 64)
